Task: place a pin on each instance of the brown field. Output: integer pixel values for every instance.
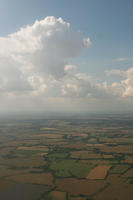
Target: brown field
(4, 185)
(34, 161)
(58, 195)
(53, 136)
(85, 155)
(92, 140)
(6, 150)
(117, 149)
(98, 172)
(36, 148)
(31, 142)
(47, 135)
(129, 159)
(129, 173)
(84, 135)
(94, 145)
(77, 198)
(41, 154)
(5, 172)
(116, 192)
(114, 179)
(116, 140)
(109, 156)
(78, 187)
(14, 143)
(43, 178)
(60, 143)
(94, 156)
(77, 145)
(78, 154)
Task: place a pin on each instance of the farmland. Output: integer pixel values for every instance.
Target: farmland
(67, 159)
(98, 172)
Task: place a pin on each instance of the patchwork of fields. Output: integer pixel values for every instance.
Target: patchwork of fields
(77, 159)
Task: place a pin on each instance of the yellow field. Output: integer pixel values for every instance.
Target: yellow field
(48, 129)
(98, 172)
(57, 195)
(108, 156)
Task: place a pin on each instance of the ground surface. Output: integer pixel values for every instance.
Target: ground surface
(75, 159)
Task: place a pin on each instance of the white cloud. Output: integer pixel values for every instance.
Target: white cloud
(41, 49)
(117, 72)
(45, 46)
(124, 87)
(35, 73)
(11, 78)
(122, 59)
(33, 61)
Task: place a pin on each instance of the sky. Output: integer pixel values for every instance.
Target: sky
(66, 56)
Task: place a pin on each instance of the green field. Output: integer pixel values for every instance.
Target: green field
(119, 169)
(70, 168)
(54, 156)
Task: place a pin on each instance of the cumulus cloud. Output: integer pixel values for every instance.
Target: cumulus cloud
(123, 88)
(42, 48)
(117, 72)
(45, 46)
(11, 78)
(34, 61)
(35, 72)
